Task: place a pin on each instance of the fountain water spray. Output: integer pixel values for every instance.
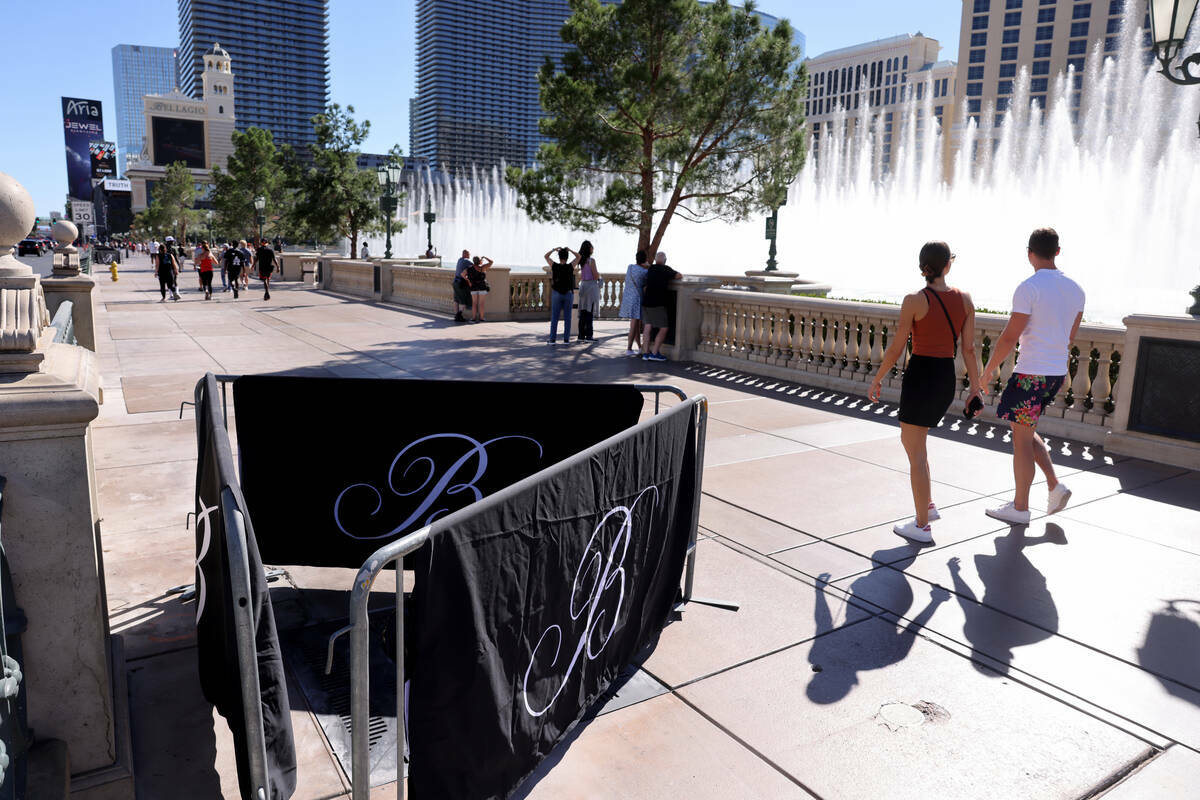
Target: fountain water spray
(1121, 186)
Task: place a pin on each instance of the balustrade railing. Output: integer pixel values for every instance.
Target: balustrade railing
(840, 344)
(529, 295)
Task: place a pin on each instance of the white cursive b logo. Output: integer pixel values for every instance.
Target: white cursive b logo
(433, 487)
(203, 525)
(598, 573)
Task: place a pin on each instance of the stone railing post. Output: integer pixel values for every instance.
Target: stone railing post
(49, 395)
(66, 283)
(688, 316)
(499, 293)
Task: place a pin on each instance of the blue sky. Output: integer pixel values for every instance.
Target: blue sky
(371, 63)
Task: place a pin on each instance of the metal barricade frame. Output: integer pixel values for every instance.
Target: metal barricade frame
(395, 552)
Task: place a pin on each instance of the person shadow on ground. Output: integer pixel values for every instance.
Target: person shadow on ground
(838, 659)
(1014, 586)
(1172, 648)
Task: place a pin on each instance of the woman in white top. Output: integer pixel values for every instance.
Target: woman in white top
(631, 300)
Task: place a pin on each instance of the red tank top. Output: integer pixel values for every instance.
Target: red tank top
(932, 335)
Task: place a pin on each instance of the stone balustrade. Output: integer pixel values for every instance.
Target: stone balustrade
(839, 344)
(352, 277)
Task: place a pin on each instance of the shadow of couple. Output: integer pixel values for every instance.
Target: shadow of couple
(1010, 583)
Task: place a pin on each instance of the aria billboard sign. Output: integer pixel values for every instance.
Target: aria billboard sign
(83, 123)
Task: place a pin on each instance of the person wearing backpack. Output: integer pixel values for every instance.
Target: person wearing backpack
(235, 262)
(941, 320)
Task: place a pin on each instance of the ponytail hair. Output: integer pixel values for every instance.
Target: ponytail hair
(934, 258)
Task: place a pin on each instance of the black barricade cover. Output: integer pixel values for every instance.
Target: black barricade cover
(220, 676)
(335, 468)
(524, 614)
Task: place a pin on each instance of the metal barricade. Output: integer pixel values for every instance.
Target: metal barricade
(64, 323)
(397, 550)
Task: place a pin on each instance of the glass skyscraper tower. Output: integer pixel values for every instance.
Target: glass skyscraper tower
(281, 48)
(137, 71)
(477, 89)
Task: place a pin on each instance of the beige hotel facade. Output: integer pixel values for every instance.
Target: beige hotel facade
(997, 39)
(883, 74)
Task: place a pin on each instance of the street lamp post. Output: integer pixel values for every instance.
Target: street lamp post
(389, 179)
(208, 216)
(772, 229)
(430, 218)
(260, 205)
(1169, 23)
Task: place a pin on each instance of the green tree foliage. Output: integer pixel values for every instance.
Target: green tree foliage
(170, 210)
(255, 169)
(333, 197)
(666, 98)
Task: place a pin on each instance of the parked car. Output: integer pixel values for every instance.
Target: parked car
(29, 247)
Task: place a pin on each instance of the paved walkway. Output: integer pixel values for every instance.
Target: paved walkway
(1049, 662)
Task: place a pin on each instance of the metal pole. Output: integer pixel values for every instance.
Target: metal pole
(401, 700)
(771, 265)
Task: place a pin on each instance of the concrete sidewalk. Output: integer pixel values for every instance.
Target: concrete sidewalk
(1046, 662)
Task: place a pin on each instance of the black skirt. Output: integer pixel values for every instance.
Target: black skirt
(927, 390)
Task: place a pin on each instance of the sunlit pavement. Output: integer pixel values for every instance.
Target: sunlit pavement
(1040, 662)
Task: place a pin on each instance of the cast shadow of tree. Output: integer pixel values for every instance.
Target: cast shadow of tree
(836, 661)
(1013, 586)
(1172, 648)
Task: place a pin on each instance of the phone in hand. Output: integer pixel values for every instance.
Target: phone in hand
(974, 407)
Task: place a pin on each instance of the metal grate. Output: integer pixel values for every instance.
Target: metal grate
(329, 695)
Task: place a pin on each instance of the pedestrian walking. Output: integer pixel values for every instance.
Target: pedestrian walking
(167, 270)
(562, 290)
(197, 251)
(247, 261)
(462, 288)
(939, 319)
(655, 316)
(631, 301)
(234, 262)
(476, 276)
(204, 265)
(365, 255)
(590, 283)
(1047, 309)
(264, 261)
(224, 267)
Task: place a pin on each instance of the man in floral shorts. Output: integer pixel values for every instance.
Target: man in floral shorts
(1047, 311)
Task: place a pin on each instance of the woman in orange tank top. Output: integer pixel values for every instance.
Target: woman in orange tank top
(940, 320)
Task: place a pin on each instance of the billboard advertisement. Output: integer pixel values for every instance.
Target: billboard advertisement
(178, 140)
(104, 159)
(83, 123)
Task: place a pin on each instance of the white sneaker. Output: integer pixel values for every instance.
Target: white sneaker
(934, 516)
(1057, 499)
(1009, 513)
(911, 530)
(629, 353)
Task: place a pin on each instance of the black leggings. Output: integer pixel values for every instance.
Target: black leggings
(166, 280)
(206, 281)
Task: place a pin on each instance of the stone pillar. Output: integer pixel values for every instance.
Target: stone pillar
(67, 283)
(49, 394)
(688, 314)
(1156, 404)
(499, 299)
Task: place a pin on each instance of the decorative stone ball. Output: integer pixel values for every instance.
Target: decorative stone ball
(17, 212)
(64, 232)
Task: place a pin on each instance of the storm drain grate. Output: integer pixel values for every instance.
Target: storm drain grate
(328, 696)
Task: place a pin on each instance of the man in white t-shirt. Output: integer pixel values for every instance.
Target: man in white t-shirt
(1047, 311)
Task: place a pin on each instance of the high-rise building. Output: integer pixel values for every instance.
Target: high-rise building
(477, 100)
(282, 51)
(875, 81)
(137, 71)
(1000, 37)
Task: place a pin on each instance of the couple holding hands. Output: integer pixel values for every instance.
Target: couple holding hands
(1047, 310)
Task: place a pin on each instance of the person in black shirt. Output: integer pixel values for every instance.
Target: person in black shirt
(235, 261)
(264, 260)
(476, 276)
(562, 290)
(655, 296)
(167, 268)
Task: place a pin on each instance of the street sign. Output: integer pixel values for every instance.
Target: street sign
(430, 216)
(82, 213)
(771, 227)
